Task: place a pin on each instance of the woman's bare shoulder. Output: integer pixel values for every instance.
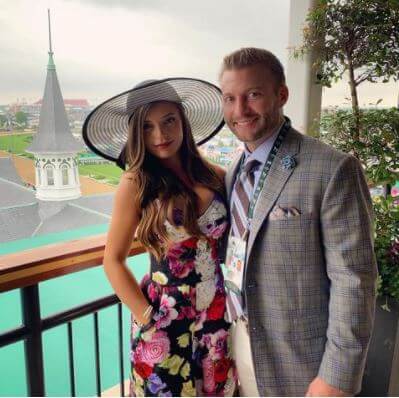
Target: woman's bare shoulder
(127, 190)
(128, 175)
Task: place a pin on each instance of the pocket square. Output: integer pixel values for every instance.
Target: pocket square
(283, 213)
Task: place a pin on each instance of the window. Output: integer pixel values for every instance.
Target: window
(65, 176)
(50, 174)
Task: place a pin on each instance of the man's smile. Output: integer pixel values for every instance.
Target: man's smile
(245, 122)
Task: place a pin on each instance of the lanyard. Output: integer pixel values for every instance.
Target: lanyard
(266, 168)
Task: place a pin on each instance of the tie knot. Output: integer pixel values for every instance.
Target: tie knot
(250, 166)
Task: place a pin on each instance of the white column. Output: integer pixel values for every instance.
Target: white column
(304, 104)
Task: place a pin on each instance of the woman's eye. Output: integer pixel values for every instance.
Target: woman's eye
(147, 128)
(170, 120)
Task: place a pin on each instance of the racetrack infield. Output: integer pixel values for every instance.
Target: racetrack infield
(26, 170)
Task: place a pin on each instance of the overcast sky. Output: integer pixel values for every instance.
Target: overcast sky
(103, 47)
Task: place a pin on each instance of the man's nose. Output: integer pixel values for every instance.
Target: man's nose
(241, 107)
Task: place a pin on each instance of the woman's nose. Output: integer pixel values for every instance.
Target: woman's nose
(159, 131)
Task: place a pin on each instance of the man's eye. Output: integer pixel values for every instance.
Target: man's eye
(254, 94)
(228, 99)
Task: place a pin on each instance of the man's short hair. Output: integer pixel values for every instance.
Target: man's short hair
(250, 56)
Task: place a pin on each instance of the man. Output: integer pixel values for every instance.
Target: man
(303, 306)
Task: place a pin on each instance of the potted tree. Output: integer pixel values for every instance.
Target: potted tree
(359, 40)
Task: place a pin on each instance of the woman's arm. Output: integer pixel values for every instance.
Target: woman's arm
(124, 221)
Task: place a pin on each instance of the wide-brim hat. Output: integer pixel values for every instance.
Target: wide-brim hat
(105, 130)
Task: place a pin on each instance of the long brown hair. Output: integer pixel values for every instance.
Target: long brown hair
(159, 187)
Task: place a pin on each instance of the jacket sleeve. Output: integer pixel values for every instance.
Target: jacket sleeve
(347, 233)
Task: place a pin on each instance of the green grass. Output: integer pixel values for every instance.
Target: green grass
(15, 143)
(102, 172)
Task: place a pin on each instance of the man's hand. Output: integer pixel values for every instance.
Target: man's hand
(319, 388)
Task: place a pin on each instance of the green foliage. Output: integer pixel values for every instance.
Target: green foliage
(378, 144)
(3, 121)
(21, 118)
(358, 34)
(361, 37)
(378, 150)
(387, 246)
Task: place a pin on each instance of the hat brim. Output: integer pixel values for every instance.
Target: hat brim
(105, 130)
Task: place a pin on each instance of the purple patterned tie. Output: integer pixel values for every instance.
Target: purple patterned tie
(241, 196)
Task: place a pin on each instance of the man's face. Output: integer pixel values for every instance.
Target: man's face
(252, 103)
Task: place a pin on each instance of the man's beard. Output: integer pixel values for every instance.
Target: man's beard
(271, 123)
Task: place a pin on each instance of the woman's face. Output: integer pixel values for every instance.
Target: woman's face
(163, 130)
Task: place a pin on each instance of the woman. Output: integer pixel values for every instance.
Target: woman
(172, 201)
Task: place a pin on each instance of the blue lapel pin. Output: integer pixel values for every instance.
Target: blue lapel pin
(288, 162)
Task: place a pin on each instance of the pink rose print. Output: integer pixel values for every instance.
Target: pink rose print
(153, 351)
(209, 375)
(180, 269)
(181, 257)
(166, 313)
(153, 291)
(216, 343)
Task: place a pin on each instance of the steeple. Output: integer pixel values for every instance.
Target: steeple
(54, 134)
(53, 145)
(50, 65)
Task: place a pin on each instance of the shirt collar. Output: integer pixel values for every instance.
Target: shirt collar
(261, 153)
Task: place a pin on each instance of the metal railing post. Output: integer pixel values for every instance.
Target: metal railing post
(33, 343)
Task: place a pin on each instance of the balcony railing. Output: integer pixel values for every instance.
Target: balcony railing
(25, 271)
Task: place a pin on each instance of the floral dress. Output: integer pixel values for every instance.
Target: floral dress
(186, 349)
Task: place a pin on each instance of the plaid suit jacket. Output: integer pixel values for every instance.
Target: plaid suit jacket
(310, 279)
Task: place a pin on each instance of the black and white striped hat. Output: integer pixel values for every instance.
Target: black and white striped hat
(105, 130)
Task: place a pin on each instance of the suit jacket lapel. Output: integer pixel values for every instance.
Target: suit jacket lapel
(274, 183)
